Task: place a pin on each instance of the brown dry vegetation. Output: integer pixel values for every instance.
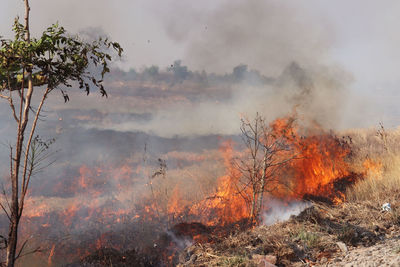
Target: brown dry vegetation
(312, 236)
(382, 181)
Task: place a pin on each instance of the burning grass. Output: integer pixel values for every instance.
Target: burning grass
(166, 215)
(382, 182)
(314, 234)
(380, 159)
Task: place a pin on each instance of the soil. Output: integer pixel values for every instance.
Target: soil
(384, 253)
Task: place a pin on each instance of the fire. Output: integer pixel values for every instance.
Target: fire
(374, 168)
(69, 214)
(322, 161)
(175, 205)
(51, 254)
(319, 161)
(227, 205)
(40, 209)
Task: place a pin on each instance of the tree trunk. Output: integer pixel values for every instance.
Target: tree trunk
(262, 186)
(23, 121)
(15, 209)
(12, 240)
(253, 205)
(15, 213)
(14, 216)
(254, 174)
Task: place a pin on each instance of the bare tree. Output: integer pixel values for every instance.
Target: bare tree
(28, 67)
(267, 151)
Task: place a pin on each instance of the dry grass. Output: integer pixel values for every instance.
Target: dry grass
(384, 187)
(306, 238)
(379, 150)
(382, 156)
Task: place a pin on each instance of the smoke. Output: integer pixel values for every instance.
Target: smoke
(285, 41)
(180, 102)
(279, 210)
(266, 35)
(180, 242)
(270, 57)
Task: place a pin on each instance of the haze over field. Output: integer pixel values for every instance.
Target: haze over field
(325, 37)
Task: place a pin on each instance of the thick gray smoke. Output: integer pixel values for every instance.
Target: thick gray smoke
(179, 102)
(282, 40)
(283, 51)
(266, 35)
(286, 47)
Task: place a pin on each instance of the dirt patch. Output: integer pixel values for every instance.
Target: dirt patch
(311, 237)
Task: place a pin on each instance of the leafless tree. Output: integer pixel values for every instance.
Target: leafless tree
(267, 151)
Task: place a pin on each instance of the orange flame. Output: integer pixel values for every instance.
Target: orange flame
(319, 161)
(51, 254)
(372, 167)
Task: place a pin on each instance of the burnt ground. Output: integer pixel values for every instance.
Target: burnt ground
(166, 250)
(316, 236)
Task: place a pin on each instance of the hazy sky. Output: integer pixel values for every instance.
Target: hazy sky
(359, 36)
(363, 33)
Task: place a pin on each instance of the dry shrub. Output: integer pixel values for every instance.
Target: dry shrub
(310, 239)
(235, 261)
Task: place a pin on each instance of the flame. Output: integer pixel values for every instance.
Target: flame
(319, 160)
(176, 205)
(374, 168)
(226, 205)
(51, 254)
(40, 209)
(69, 214)
(322, 161)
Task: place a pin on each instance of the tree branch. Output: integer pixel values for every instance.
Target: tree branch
(10, 101)
(25, 179)
(4, 209)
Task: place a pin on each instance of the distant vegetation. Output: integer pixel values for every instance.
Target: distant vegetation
(178, 72)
